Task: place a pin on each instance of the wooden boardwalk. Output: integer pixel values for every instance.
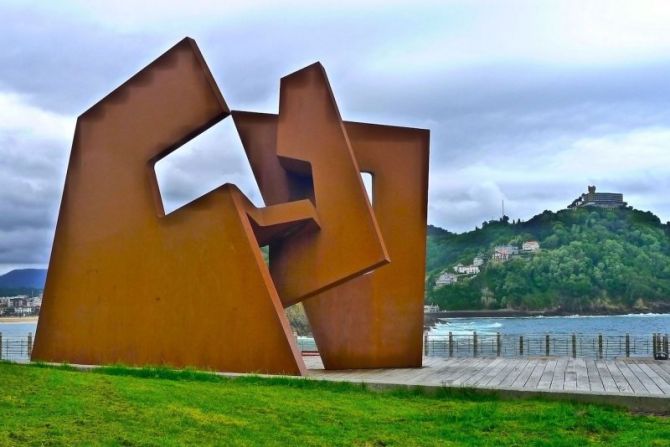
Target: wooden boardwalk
(565, 375)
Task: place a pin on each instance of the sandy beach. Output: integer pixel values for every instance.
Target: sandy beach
(9, 320)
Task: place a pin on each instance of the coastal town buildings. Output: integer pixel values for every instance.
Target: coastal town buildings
(431, 308)
(598, 199)
(20, 305)
(478, 261)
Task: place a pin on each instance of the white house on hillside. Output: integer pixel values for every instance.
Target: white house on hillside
(466, 269)
(446, 278)
(504, 252)
(530, 246)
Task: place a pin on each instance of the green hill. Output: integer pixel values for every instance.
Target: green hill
(22, 282)
(591, 259)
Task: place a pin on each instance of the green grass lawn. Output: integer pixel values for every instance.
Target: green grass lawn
(117, 406)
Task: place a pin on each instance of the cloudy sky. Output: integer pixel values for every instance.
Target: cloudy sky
(527, 101)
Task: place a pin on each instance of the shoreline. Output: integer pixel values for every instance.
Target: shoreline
(19, 320)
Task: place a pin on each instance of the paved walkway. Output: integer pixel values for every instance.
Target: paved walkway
(618, 380)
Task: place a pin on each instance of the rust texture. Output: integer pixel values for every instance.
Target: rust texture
(376, 320)
(129, 284)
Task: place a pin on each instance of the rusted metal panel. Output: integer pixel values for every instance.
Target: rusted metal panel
(128, 284)
(376, 320)
(312, 142)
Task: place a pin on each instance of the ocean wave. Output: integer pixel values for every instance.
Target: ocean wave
(634, 324)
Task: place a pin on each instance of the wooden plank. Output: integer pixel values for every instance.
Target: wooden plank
(660, 371)
(648, 383)
(595, 383)
(548, 374)
(511, 365)
(662, 384)
(582, 375)
(449, 370)
(467, 367)
(453, 368)
(537, 373)
(519, 367)
(483, 370)
(503, 365)
(570, 381)
(627, 377)
(522, 379)
(422, 376)
(632, 379)
(558, 379)
(606, 377)
(619, 379)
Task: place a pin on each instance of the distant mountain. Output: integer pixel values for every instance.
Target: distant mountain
(23, 279)
(593, 260)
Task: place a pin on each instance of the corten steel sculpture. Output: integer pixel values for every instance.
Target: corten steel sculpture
(129, 284)
(374, 320)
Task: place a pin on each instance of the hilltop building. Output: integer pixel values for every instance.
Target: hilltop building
(598, 199)
(530, 246)
(478, 261)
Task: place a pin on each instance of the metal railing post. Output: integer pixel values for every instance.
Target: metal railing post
(574, 345)
(0, 345)
(521, 345)
(546, 345)
(600, 346)
(474, 343)
(653, 344)
(30, 344)
(451, 344)
(627, 345)
(665, 345)
(425, 344)
(498, 347)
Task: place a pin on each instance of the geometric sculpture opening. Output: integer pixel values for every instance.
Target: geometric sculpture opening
(368, 183)
(213, 158)
(128, 283)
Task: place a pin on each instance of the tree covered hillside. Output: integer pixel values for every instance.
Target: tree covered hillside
(591, 259)
(22, 282)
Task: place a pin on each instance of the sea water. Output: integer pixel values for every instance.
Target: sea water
(17, 329)
(633, 324)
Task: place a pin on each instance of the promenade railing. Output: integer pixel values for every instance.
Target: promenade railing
(16, 348)
(598, 346)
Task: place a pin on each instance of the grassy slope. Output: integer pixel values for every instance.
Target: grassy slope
(47, 406)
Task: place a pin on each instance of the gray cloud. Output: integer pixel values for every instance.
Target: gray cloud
(516, 113)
